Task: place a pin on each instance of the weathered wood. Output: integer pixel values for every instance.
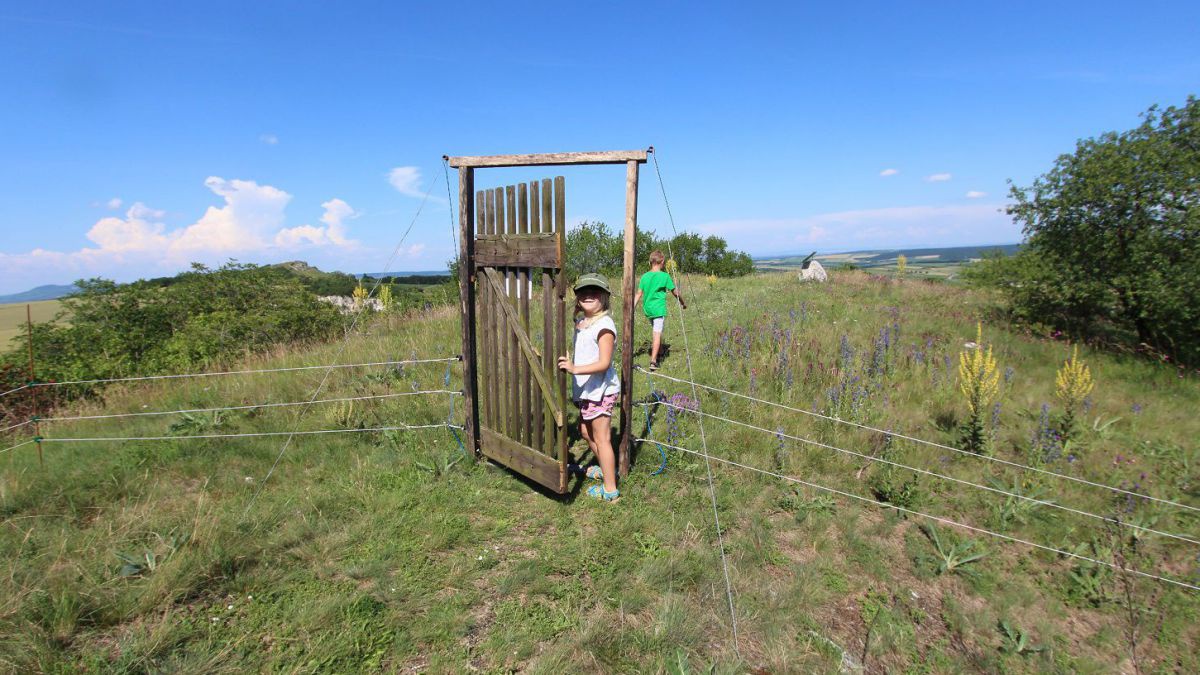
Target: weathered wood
(524, 460)
(539, 420)
(517, 250)
(514, 353)
(627, 318)
(503, 376)
(551, 159)
(466, 288)
(496, 376)
(560, 228)
(523, 306)
(484, 319)
(526, 348)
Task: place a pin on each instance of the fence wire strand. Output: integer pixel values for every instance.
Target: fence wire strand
(914, 439)
(780, 434)
(250, 406)
(945, 521)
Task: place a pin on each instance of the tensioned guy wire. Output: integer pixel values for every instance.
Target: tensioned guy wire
(341, 349)
(929, 443)
(939, 519)
(249, 407)
(780, 434)
(245, 372)
(712, 491)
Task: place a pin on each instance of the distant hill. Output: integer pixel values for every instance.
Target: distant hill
(49, 292)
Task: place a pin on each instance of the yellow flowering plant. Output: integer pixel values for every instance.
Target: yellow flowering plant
(979, 382)
(1072, 384)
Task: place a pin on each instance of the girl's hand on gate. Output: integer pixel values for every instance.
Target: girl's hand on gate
(564, 363)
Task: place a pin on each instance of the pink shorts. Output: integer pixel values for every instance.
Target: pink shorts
(590, 410)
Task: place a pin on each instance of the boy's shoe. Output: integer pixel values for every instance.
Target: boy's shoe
(653, 366)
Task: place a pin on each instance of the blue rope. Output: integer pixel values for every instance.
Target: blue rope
(663, 466)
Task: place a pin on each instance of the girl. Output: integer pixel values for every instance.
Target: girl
(595, 387)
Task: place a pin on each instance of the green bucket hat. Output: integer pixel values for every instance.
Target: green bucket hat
(592, 279)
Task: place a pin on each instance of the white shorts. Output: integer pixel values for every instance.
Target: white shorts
(656, 324)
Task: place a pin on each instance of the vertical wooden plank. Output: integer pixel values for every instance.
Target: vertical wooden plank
(560, 228)
(502, 374)
(514, 351)
(539, 419)
(489, 226)
(553, 319)
(466, 290)
(523, 307)
(484, 320)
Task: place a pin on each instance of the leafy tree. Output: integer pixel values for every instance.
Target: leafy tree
(594, 247)
(1113, 236)
(203, 318)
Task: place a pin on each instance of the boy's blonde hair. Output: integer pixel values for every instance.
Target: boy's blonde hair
(657, 257)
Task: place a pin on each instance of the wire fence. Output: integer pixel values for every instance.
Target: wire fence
(939, 519)
(253, 406)
(138, 378)
(914, 439)
(933, 474)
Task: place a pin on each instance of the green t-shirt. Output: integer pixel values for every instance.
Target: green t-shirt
(654, 287)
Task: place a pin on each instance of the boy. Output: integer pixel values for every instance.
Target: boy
(654, 286)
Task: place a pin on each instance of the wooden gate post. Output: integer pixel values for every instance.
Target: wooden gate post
(466, 292)
(627, 316)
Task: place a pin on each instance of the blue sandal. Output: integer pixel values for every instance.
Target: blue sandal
(598, 492)
(594, 472)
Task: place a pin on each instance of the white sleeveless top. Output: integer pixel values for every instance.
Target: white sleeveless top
(595, 386)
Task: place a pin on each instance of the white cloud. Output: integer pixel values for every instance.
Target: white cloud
(938, 177)
(269, 139)
(406, 180)
(250, 221)
(413, 251)
(333, 234)
(975, 194)
(140, 231)
(114, 203)
(889, 172)
(251, 213)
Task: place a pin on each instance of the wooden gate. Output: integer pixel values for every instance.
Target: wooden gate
(520, 328)
(514, 315)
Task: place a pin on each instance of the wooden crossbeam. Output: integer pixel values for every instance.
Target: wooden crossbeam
(550, 159)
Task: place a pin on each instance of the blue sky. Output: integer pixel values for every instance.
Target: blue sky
(136, 137)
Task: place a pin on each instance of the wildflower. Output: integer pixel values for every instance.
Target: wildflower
(1136, 409)
(979, 383)
(1073, 383)
(1008, 374)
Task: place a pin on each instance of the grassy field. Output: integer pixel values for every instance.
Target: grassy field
(12, 318)
(390, 552)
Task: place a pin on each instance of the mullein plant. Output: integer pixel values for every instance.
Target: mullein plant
(1073, 383)
(360, 295)
(979, 382)
(385, 297)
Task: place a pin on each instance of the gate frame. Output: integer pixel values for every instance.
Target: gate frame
(466, 166)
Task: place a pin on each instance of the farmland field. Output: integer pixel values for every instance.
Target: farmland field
(12, 318)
